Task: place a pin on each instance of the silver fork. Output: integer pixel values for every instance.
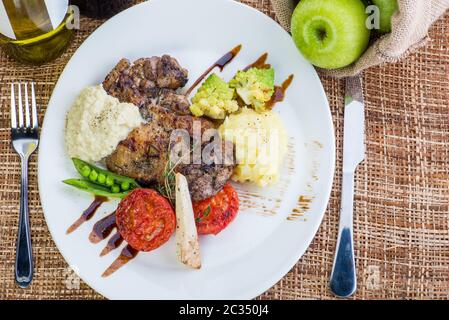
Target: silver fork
(25, 139)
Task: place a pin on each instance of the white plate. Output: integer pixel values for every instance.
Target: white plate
(261, 245)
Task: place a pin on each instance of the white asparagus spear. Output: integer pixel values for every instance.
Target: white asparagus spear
(188, 247)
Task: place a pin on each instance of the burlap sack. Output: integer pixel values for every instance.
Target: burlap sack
(409, 32)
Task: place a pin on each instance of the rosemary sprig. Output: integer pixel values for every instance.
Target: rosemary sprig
(168, 189)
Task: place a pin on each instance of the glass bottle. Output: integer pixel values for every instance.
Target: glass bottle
(35, 31)
(101, 9)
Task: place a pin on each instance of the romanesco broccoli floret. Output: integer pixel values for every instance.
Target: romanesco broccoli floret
(254, 86)
(214, 99)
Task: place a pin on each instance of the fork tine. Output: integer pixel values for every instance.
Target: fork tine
(20, 105)
(34, 107)
(27, 107)
(13, 107)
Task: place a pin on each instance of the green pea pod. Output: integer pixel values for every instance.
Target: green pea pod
(119, 180)
(95, 189)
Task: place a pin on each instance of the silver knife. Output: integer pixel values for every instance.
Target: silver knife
(343, 282)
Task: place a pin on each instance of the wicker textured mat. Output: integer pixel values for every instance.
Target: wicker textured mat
(402, 189)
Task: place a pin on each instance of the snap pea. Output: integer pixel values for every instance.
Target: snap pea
(103, 177)
(115, 188)
(95, 189)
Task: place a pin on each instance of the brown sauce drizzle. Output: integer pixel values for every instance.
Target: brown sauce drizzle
(279, 92)
(113, 243)
(87, 214)
(128, 253)
(260, 63)
(103, 228)
(220, 63)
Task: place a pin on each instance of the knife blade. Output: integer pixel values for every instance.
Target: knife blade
(354, 125)
(343, 282)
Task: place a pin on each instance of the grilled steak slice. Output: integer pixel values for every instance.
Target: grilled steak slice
(139, 83)
(133, 83)
(144, 155)
(205, 180)
(176, 102)
(170, 74)
(140, 155)
(110, 83)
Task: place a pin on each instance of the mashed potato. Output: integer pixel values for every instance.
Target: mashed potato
(96, 123)
(260, 145)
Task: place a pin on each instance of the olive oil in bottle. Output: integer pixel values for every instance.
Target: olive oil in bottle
(34, 31)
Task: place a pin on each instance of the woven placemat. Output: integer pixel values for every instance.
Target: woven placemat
(402, 189)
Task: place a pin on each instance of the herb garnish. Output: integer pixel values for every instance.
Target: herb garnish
(204, 214)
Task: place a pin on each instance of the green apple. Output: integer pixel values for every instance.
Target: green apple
(386, 8)
(331, 34)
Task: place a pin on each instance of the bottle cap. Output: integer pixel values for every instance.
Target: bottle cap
(56, 10)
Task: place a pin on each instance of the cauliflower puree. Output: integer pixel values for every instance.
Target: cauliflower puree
(96, 123)
(260, 143)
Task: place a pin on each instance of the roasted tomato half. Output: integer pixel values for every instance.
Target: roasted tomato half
(214, 214)
(145, 219)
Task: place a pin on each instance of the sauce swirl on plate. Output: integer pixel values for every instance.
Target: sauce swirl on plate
(88, 213)
(220, 63)
(279, 92)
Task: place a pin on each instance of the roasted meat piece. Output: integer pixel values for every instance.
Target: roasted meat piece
(141, 155)
(140, 83)
(206, 181)
(173, 101)
(133, 83)
(170, 74)
(110, 83)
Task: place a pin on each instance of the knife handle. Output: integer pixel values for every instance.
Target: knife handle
(343, 282)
